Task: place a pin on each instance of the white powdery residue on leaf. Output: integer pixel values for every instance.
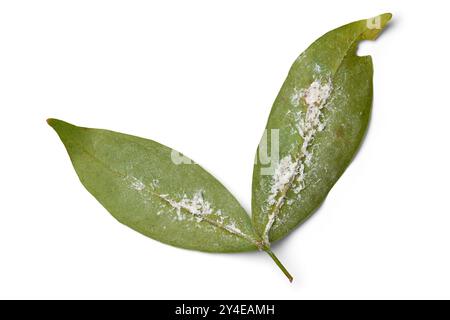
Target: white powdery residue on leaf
(138, 185)
(295, 97)
(195, 205)
(135, 183)
(309, 123)
(290, 171)
(202, 211)
(283, 174)
(231, 227)
(318, 93)
(317, 68)
(300, 178)
(155, 183)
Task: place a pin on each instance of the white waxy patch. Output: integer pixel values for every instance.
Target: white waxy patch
(135, 183)
(317, 93)
(316, 96)
(308, 124)
(138, 185)
(317, 68)
(300, 179)
(295, 97)
(195, 205)
(231, 227)
(155, 183)
(284, 173)
(286, 169)
(201, 210)
(289, 170)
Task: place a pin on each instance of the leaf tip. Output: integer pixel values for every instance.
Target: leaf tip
(375, 25)
(51, 122)
(381, 20)
(57, 124)
(386, 16)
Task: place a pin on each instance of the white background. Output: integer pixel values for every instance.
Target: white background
(201, 76)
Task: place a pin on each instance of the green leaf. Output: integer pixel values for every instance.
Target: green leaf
(316, 125)
(157, 191)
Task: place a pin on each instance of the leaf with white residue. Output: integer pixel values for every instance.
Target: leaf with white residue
(141, 183)
(159, 192)
(315, 127)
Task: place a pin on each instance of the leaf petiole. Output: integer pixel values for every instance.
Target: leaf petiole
(279, 264)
